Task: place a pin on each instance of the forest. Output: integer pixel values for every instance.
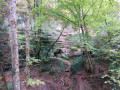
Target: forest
(59, 44)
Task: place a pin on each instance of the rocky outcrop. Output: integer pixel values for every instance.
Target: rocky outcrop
(63, 42)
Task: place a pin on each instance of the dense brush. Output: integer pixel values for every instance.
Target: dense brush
(77, 65)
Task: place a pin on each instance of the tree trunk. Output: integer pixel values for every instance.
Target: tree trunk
(27, 42)
(89, 62)
(14, 46)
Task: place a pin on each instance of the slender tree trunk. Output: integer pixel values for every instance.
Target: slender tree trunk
(34, 32)
(55, 42)
(28, 42)
(119, 9)
(40, 33)
(14, 46)
(89, 61)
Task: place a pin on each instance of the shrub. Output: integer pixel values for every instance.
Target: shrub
(77, 65)
(52, 71)
(53, 65)
(10, 86)
(33, 83)
(44, 68)
(66, 57)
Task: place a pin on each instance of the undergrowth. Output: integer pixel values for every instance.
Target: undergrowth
(52, 67)
(77, 65)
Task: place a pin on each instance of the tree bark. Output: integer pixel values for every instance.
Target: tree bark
(14, 46)
(85, 32)
(28, 42)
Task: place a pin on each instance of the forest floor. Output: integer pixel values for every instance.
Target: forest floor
(62, 81)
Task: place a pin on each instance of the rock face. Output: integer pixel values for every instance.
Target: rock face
(51, 31)
(63, 42)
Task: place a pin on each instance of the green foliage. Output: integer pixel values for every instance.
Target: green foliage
(21, 37)
(33, 60)
(2, 12)
(79, 40)
(33, 83)
(73, 48)
(114, 70)
(53, 66)
(77, 65)
(106, 39)
(39, 48)
(76, 12)
(45, 60)
(114, 75)
(44, 68)
(10, 86)
(107, 43)
(0, 9)
(61, 66)
(66, 57)
(98, 15)
(52, 71)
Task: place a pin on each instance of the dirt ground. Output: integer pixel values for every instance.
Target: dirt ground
(79, 81)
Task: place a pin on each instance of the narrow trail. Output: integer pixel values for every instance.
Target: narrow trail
(80, 84)
(67, 62)
(69, 65)
(83, 80)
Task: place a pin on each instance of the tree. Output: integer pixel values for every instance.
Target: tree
(82, 15)
(14, 46)
(27, 41)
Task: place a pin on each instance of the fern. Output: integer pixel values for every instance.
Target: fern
(77, 65)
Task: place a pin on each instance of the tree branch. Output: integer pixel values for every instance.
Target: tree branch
(55, 42)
